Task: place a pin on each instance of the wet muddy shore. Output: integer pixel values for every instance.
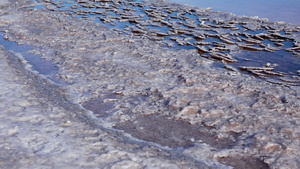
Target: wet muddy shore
(135, 98)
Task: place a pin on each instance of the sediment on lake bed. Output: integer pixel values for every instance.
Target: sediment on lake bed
(172, 102)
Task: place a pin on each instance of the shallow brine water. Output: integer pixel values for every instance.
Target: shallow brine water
(38, 64)
(247, 45)
(42, 66)
(275, 10)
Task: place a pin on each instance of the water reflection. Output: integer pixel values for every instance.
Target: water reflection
(37, 62)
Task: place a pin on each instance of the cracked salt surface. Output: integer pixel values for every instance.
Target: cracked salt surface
(150, 106)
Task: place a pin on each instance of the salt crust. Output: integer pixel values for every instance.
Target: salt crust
(266, 116)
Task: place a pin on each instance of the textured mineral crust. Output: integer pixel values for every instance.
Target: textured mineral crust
(121, 101)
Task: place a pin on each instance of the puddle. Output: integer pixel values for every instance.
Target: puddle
(182, 29)
(41, 65)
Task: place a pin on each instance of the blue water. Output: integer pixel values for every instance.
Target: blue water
(37, 62)
(274, 10)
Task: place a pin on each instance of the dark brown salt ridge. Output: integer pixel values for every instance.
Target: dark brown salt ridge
(251, 48)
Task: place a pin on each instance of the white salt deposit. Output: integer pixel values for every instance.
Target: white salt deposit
(134, 105)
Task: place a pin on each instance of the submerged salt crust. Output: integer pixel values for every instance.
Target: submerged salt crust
(149, 106)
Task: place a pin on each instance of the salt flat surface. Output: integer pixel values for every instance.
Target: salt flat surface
(127, 102)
